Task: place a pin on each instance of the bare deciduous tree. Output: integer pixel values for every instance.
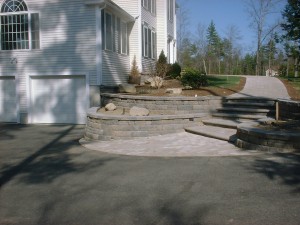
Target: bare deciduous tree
(259, 11)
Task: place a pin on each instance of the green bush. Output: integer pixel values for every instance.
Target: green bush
(194, 78)
(161, 65)
(174, 70)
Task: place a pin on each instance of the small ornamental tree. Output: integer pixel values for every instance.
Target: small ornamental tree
(161, 65)
(134, 77)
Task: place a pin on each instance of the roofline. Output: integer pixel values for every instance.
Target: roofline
(109, 4)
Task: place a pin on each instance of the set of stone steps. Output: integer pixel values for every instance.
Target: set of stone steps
(224, 121)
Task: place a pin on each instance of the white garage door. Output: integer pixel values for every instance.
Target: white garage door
(8, 99)
(58, 99)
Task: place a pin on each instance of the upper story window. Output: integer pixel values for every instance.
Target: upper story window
(19, 28)
(115, 34)
(148, 42)
(170, 9)
(150, 5)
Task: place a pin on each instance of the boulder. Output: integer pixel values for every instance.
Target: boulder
(127, 88)
(156, 82)
(137, 111)
(110, 107)
(118, 111)
(177, 91)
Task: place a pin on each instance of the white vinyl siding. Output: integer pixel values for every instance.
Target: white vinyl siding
(116, 68)
(134, 9)
(67, 45)
(166, 28)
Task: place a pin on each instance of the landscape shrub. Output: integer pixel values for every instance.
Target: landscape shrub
(134, 77)
(174, 71)
(161, 65)
(194, 78)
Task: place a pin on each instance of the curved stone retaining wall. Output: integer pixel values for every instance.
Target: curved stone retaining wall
(289, 109)
(165, 105)
(249, 136)
(107, 127)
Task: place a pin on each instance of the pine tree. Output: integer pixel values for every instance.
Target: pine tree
(214, 46)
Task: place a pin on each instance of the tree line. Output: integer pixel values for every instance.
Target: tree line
(277, 44)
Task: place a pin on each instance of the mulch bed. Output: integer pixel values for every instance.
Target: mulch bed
(204, 91)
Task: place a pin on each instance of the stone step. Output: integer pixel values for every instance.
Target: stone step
(248, 110)
(222, 123)
(225, 134)
(250, 105)
(250, 99)
(239, 116)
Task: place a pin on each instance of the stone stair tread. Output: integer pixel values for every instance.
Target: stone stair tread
(225, 134)
(244, 110)
(226, 123)
(250, 98)
(250, 104)
(239, 115)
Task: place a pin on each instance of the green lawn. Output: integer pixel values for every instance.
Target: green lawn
(223, 81)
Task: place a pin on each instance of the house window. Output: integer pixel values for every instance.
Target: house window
(153, 49)
(149, 5)
(108, 32)
(114, 33)
(170, 10)
(149, 42)
(145, 3)
(19, 29)
(124, 38)
(152, 6)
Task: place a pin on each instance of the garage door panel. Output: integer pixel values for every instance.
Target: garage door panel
(8, 99)
(58, 99)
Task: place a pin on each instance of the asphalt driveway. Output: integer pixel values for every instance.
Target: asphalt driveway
(47, 177)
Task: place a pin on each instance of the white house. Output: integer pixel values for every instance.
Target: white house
(56, 54)
(271, 73)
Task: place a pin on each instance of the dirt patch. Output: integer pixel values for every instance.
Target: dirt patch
(293, 93)
(205, 91)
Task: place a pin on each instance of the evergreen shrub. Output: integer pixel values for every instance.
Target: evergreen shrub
(194, 78)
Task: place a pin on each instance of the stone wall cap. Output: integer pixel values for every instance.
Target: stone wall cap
(160, 98)
(92, 112)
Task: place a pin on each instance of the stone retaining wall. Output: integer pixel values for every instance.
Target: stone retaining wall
(107, 127)
(251, 137)
(289, 109)
(165, 105)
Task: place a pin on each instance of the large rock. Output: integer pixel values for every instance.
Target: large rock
(118, 111)
(156, 82)
(175, 91)
(127, 88)
(137, 111)
(110, 107)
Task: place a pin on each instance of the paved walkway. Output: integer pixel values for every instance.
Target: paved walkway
(261, 86)
(190, 145)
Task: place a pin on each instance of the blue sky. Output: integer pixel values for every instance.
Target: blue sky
(225, 13)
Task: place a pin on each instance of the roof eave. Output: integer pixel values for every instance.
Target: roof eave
(113, 6)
